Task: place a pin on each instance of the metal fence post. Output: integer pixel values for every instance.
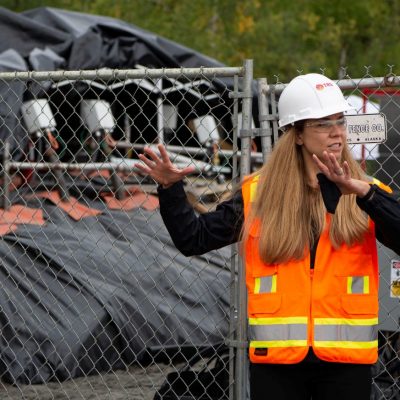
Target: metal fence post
(241, 354)
(234, 252)
(246, 118)
(264, 117)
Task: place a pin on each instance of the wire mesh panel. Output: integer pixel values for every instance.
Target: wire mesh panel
(380, 159)
(96, 302)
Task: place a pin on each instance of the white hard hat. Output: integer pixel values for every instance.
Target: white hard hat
(310, 96)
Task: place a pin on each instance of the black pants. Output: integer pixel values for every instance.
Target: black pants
(310, 380)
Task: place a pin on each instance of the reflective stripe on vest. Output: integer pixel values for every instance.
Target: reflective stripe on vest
(358, 284)
(278, 332)
(346, 333)
(265, 284)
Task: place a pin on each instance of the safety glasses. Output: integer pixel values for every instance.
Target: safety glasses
(327, 125)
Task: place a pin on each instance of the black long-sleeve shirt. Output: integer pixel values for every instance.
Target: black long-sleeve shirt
(194, 234)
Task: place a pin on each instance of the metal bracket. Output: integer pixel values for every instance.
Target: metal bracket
(268, 117)
(240, 95)
(237, 344)
(254, 132)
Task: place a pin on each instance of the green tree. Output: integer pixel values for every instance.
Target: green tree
(283, 37)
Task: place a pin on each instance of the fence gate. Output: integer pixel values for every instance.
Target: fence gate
(95, 300)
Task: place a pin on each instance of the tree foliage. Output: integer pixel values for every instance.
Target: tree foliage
(282, 36)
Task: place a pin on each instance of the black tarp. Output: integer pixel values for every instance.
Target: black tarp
(88, 296)
(47, 39)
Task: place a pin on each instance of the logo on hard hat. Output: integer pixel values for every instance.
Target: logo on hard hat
(321, 86)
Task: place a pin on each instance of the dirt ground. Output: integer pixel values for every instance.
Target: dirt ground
(133, 384)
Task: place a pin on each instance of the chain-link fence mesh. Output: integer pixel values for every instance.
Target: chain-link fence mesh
(95, 300)
(368, 95)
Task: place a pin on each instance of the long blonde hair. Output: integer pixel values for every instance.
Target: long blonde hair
(291, 213)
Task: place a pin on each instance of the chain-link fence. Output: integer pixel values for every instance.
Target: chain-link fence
(95, 301)
(381, 160)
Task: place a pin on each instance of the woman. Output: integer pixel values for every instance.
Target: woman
(311, 275)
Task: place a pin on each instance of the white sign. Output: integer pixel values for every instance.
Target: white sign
(395, 279)
(366, 128)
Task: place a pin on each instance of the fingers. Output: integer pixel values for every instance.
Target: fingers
(188, 170)
(337, 169)
(346, 169)
(161, 169)
(321, 166)
(331, 162)
(145, 170)
(331, 167)
(163, 153)
(152, 154)
(149, 163)
(155, 159)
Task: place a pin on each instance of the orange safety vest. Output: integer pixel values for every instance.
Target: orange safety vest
(333, 308)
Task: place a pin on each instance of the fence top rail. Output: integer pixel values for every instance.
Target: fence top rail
(123, 74)
(349, 84)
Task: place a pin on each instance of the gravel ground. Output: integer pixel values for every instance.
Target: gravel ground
(133, 384)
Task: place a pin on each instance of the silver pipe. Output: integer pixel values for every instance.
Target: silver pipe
(110, 166)
(41, 166)
(246, 118)
(274, 110)
(348, 84)
(235, 153)
(234, 249)
(188, 150)
(160, 114)
(119, 74)
(127, 128)
(266, 142)
(242, 366)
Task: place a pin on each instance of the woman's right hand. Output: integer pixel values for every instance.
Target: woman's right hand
(161, 169)
(340, 175)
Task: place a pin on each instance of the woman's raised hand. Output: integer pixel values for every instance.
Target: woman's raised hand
(161, 169)
(341, 175)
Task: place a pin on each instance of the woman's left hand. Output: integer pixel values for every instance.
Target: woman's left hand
(340, 175)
